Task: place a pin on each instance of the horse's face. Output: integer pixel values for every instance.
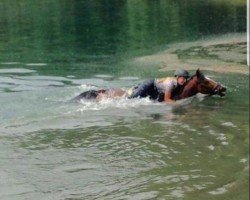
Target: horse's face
(209, 86)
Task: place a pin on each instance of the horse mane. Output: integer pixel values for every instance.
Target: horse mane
(195, 75)
(201, 76)
(190, 79)
(187, 89)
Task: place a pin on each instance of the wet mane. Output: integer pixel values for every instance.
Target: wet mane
(195, 75)
(192, 86)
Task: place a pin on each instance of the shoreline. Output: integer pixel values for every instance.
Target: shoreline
(224, 54)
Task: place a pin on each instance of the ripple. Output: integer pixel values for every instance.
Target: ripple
(142, 195)
(243, 160)
(211, 147)
(129, 78)
(218, 191)
(53, 78)
(77, 168)
(86, 87)
(36, 64)
(178, 193)
(92, 81)
(103, 76)
(16, 71)
(229, 124)
(5, 85)
(30, 83)
(10, 63)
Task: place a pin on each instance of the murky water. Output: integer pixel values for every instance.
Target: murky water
(119, 149)
(113, 149)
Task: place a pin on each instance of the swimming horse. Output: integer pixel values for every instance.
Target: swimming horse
(198, 83)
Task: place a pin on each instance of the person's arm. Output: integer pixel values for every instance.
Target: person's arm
(168, 97)
(166, 86)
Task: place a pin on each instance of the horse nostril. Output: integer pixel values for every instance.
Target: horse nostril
(223, 89)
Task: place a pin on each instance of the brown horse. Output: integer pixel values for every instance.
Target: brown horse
(198, 83)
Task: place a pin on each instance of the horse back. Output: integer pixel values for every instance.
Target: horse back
(88, 95)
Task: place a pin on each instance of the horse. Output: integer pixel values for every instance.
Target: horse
(198, 83)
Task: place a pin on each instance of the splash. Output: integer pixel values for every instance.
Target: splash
(121, 103)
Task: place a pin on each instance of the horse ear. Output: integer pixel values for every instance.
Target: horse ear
(199, 74)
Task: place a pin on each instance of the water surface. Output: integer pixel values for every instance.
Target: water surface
(51, 148)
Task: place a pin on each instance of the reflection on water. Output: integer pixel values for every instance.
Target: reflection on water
(83, 37)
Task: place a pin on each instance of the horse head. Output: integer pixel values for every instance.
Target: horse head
(209, 86)
(199, 83)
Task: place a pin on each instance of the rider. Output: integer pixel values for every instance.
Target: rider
(164, 89)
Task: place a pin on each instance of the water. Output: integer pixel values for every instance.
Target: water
(51, 148)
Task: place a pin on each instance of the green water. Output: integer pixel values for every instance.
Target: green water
(89, 37)
(50, 51)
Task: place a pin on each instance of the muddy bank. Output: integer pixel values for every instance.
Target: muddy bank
(224, 54)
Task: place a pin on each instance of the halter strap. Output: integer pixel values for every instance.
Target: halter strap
(216, 84)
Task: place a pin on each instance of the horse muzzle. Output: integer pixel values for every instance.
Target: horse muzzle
(220, 90)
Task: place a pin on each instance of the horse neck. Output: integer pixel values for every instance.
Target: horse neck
(190, 89)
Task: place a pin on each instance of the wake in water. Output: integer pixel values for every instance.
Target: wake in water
(193, 85)
(88, 101)
(46, 106)
(122, 103)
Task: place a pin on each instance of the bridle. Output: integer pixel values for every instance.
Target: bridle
(216, 87)
(199, 85)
